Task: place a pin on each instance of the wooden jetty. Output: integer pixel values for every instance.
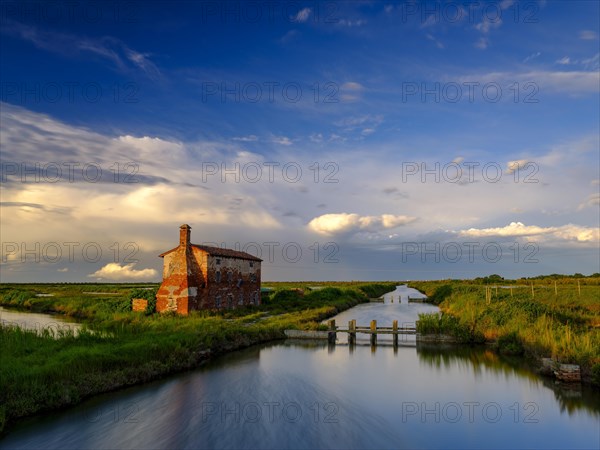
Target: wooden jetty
(373, 330)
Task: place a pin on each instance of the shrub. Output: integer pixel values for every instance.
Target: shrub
(596, 374)
(440, 294)
(510, 344)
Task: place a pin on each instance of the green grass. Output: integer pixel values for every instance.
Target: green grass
(117, 347)
(562, 324)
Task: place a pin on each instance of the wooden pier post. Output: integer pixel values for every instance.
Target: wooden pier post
(332, 336)
(373, 332)
(395, 330)
(352, 332)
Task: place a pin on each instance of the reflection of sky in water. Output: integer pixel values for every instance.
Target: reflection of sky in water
(36, 321)
(385, 313)
(368, 394)
(371, 397)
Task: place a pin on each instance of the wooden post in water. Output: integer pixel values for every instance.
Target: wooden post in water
(352, 332)
(395, 330)
(392, 298)
(332, 336)
(373, 332)
(511, 291)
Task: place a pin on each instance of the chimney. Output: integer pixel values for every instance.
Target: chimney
(184, 235)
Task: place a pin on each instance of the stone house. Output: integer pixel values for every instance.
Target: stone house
(203, 277)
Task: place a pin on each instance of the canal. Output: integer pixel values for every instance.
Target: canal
(308, 394)
(53, 323)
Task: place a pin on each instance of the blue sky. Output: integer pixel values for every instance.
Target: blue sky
(336, 140)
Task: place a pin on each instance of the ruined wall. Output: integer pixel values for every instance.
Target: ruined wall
(139, 304)
(183, 281)
(238, 283)
(194, 280)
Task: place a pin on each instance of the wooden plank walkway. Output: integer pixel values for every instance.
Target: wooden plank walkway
(373, 330)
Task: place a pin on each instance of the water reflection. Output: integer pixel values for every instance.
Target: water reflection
(444, 359)
(395, 306)
(38, 321)
(311, 394)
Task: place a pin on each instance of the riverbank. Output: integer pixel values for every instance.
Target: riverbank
(537, 319)
(118, 348)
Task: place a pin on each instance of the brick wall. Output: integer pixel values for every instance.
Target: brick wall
(139, 304)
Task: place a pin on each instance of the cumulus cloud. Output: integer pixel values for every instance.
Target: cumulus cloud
(345, 223)
(117, 272)
(519, 164)
(568, 232)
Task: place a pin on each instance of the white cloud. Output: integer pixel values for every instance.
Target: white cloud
(570, 82)
(482, 43)
(281, 140)
(65, 269)
(355, 123)
(430, 21)
(302, 15)
(316, 137)
(345, 223)
(352, 86)
(592, 200)
(351, 23)
(513, 166)
(117, 272)
(109, 48)
(351, 91)
(438, 43)
(249, 138)
(564, 61)
(568, 232)
(532, 56)
(592, 63)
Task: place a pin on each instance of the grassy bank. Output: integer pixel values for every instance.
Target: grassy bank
(120, 348)
(561, 320)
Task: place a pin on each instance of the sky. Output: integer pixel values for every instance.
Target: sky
(358, 140)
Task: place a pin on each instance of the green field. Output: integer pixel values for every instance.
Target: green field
(118, 347)
(560, 319)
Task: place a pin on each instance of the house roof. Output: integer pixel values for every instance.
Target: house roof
(218, 251)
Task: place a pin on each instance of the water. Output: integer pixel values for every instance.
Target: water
(37, 321)
(395, 306)
(313, 395)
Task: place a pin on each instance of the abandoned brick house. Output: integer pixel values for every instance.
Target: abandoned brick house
(203, 277)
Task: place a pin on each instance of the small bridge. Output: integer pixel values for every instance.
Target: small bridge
(373, 330)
